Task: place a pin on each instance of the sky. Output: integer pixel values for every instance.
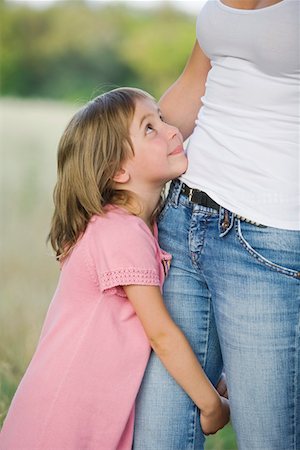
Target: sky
(191, 6)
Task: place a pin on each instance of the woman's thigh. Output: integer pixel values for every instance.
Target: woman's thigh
(256, 297)
(166, 418)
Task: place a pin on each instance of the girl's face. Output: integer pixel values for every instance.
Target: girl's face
(158, 148)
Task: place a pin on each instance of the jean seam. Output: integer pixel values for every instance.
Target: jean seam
(175, 192)
(195, 256)
(289, 272)
(164, 210)
(207, 330)
(191, 443)
(209, 312)
(296, 385)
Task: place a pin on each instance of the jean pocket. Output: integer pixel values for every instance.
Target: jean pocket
(276, 249)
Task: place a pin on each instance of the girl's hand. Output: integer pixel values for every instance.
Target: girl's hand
(216, 419)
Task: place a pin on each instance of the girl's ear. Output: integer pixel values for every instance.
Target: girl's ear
(122, 176)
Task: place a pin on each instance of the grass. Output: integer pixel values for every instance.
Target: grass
(29, 135)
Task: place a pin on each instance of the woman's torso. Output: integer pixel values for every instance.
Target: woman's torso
(244, 151)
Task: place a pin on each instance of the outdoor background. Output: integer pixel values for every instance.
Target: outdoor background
(53, 58)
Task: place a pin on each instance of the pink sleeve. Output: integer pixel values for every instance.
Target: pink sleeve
(124, 253)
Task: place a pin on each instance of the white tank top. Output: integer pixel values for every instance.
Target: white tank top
(244, 151)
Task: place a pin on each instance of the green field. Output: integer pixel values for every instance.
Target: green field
(29, 134)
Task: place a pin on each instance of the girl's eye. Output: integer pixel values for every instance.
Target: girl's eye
(149, 128)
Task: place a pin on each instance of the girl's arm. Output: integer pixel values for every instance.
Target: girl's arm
(181, 102)
(173, 349)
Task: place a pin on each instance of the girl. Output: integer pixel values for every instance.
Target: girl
(79, 390)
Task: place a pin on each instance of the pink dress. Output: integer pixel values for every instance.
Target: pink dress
(79, 390)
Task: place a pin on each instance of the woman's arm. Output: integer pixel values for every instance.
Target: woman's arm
(181, 102)
(173, 349)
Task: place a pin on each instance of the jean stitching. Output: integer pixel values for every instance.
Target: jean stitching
(175, 191)
(296, 385)
(171, 200)
(207, 330)
(195, 255)
(208, 317)
(260, 258)
(163, 211)
(192, 435)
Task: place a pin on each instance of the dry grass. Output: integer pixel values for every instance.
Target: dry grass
(29, 135)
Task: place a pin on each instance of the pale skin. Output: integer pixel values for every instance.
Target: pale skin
(159, 157)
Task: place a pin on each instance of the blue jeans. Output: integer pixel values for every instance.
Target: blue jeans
(234, 291)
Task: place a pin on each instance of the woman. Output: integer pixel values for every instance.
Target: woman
(232, 224)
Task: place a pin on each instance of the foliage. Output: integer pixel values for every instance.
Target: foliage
(73, 50)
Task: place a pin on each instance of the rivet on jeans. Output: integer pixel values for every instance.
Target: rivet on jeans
(225, 224)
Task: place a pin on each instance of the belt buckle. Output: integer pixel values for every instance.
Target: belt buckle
(190, 196)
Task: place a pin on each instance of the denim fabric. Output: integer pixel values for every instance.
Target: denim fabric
(234, 286)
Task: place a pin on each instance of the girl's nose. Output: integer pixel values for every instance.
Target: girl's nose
(172, 131)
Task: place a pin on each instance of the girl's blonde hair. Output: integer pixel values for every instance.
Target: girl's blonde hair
(91, 150)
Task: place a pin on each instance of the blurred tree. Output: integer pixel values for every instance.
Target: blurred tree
(157, 47)
(74, 50)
